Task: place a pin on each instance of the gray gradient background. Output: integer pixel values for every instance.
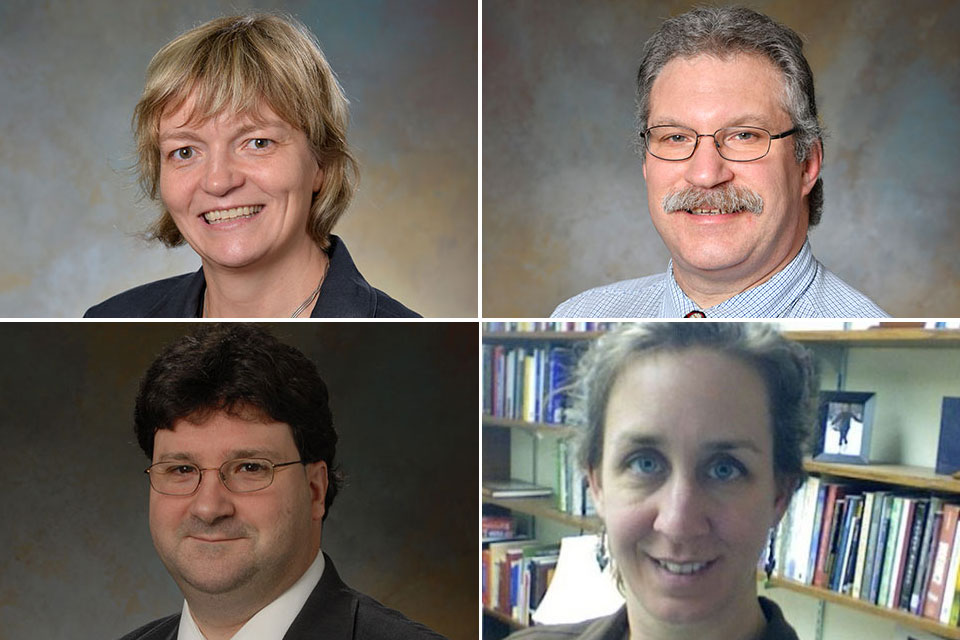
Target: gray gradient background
(564, 202)
(76, 559)
(72, 73)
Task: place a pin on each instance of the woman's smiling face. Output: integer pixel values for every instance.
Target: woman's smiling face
(686, 483)
(238, 188)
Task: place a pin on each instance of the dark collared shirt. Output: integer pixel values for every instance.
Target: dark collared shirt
(345, 294)
(616, 627)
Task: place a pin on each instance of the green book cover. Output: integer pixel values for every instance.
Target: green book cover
(890, 551)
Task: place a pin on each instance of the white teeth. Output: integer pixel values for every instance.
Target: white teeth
(682, 569)
(708, 212)
(230, 214)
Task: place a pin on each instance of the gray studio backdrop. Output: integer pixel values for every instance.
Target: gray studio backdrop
(76, 560)
(72, 72)
(564, 202)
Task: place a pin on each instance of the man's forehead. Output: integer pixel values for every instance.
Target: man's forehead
(239, 434)
(739, 88)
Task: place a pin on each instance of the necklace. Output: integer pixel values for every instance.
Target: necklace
(296, 314)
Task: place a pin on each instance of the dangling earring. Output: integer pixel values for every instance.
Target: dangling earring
(771, 555)
(602, 558)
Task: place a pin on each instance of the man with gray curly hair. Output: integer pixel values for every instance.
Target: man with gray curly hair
(733, 211)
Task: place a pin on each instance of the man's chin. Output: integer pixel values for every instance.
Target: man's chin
(216, 581)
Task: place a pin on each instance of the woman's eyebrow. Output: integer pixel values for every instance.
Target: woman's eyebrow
(182, 133)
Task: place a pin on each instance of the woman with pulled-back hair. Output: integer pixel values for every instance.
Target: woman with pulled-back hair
(693, 449)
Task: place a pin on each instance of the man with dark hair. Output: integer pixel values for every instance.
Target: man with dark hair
(242, 446)
(732, 148)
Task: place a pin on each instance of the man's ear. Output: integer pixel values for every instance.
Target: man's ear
(596, 490)
(811, 167)
(317, 479)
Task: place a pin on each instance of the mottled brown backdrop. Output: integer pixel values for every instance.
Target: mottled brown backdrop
(71, 74)
(564, 202)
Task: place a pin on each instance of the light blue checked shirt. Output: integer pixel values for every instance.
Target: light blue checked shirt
(802, 289)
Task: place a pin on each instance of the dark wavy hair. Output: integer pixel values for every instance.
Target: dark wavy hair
(239, 368)
(787, 370)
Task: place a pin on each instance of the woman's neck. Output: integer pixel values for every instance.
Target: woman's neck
(745, 621)
(272, 291)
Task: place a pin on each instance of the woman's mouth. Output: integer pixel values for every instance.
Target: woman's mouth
(222, 215)
(682, 568)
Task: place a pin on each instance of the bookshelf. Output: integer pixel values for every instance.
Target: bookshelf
(893, 362)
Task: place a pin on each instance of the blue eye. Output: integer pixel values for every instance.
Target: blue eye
(646, 464)
(725, 470)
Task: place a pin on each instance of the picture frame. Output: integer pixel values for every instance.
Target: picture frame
(845, 426)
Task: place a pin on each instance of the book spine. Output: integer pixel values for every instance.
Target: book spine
(899, 559)
(913, 554)
(836, 564)
(826, 535)
(846, 584)
(890, 552)
(930, 557)
(880, 551)
(938, 573)
(815, 538)
(864, 533)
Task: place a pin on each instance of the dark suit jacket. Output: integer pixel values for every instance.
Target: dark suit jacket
(616, 627)
(345, 294)
(333, 611)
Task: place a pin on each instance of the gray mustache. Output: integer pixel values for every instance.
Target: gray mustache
(726, 198)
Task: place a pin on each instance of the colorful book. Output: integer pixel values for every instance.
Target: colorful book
(941, 562)
(890, 553)
(868, 499)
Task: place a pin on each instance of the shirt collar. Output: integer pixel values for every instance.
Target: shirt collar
(271, 622)
(772, 299)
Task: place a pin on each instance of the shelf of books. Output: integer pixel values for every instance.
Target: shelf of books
(872, 538)
(527, 424)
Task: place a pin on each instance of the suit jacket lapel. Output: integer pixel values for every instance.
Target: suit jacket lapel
(329, 612)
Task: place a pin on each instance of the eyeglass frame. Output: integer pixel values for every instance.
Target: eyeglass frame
(220, 474)
(646, 133)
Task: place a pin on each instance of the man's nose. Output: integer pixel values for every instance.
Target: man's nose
(212, 500)
(706, 168)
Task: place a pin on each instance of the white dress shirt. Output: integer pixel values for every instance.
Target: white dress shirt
(271, 622)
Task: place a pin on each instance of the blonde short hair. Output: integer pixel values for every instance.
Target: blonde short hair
(237, 64)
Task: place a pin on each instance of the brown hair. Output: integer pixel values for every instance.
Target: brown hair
(237, 64)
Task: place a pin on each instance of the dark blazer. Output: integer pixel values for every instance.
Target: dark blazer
(345, 294)
(333, 611)
(616, 627)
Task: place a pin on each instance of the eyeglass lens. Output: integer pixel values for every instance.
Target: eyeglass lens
(240, 476)
(735, 143)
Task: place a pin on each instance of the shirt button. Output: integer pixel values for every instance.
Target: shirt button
(696, 314)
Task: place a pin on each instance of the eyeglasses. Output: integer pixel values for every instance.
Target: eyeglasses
(737, 144)
(243, 475)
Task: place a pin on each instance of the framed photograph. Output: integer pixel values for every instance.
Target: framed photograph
(845, 423)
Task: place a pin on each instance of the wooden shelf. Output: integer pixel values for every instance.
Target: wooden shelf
(902, 617)
(544, 508)
(880, 337)
(898, 474)
(540, 336)
(559, 430)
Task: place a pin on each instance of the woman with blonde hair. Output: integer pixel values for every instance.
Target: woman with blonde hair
(693, 450)
(241, 136)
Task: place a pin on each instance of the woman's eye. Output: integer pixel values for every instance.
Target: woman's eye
(259, 143)
(725, 470)
(646, 464)
(183, 153)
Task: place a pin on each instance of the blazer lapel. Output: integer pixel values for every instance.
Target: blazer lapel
(329, 612)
